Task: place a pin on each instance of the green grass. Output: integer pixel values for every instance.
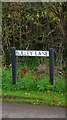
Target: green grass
(33, 89)
(32, 97)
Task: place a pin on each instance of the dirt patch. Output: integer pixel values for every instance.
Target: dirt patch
(45, 69)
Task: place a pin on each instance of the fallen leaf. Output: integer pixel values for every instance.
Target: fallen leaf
(53, 103)
(59, 103)
(42, 94)
(4, 94)
(48, 91)
(55, 96)
(61, 94)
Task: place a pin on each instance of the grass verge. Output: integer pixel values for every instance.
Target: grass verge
(33, 89)
(32, 97)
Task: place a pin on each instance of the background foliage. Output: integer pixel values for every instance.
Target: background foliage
(33, 26)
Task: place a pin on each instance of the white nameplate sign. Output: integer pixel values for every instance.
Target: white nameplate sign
(31, 53)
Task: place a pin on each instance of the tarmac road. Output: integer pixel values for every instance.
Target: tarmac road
(14, 110)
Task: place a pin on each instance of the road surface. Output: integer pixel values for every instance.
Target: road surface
(14, 110)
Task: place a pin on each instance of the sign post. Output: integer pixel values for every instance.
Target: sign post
(13, 65)
(32, 53)
(51, 66)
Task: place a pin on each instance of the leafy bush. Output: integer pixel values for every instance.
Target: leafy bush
(32, 26)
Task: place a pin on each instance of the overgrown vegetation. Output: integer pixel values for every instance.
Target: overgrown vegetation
(32, 88)
(33, 26)
(31, 81)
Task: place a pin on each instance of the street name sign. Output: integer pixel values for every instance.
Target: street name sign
(32, 53)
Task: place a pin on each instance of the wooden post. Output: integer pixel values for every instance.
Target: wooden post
(13, 65)
(51, 66)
